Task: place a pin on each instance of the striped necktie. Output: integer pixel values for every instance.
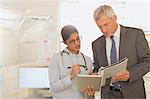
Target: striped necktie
(113, 55)
(113, 58)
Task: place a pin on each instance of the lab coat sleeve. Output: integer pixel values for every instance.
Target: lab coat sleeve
(91, 65)
(57, 84)
(90, 97)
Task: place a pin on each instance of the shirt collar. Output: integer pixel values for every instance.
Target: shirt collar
(117, 33)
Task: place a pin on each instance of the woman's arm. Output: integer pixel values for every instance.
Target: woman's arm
(57, 83)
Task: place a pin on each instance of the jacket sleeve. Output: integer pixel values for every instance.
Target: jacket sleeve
(143, 54)
(95, 62)
(57, 83)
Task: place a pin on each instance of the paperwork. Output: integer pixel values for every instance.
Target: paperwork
(109, 71)
(88, 81)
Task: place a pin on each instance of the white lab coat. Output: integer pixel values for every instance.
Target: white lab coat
(61, 85)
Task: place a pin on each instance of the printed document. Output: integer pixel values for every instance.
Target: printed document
(108, 72)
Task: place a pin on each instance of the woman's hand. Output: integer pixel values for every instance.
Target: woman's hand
(89, 91)
(75, 70)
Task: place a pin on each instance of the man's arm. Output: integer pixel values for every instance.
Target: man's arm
(143, 55)
(95, 62)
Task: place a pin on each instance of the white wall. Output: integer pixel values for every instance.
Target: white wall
(15, 45)
(133, 13)
(8, 46)
(9, 83)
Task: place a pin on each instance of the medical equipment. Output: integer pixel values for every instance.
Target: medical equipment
(85, 64)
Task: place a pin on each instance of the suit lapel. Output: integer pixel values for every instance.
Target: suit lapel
(122, 47)
(104, 56)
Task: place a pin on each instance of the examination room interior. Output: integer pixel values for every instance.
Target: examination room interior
(30, 35)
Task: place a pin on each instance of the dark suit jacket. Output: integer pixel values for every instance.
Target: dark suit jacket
(134, 46)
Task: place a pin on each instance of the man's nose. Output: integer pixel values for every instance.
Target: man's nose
(103, 30)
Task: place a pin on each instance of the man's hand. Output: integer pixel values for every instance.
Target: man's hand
(75, 71)
(89, 91)
(122, 76)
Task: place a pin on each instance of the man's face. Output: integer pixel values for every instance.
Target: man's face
(73, 43)
(107, 25)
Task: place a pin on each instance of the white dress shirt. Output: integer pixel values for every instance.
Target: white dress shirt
(109, 44)
(61, 85)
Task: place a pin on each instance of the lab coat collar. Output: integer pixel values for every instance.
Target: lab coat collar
(66, 49)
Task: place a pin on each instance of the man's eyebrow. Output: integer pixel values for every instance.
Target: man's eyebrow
(103, 25)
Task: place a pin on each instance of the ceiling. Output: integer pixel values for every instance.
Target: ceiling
(31, 7)
(12, 12)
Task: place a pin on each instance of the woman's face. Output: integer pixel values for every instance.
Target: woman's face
(73, 43)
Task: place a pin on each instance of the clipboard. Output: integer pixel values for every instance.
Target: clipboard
(109, 71)
(88, 81)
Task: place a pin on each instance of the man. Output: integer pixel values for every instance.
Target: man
(116, 43)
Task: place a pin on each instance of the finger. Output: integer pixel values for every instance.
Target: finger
(91, 91)
(124, 73)
(121, 74)
(123, 77)
(77, 65)
(83, 90)
(86, 91)
(79, 70)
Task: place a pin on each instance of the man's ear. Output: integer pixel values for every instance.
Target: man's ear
(115, 17)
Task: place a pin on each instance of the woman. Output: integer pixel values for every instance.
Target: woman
(66, 65)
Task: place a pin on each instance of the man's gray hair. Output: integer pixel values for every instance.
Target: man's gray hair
(104, 10)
